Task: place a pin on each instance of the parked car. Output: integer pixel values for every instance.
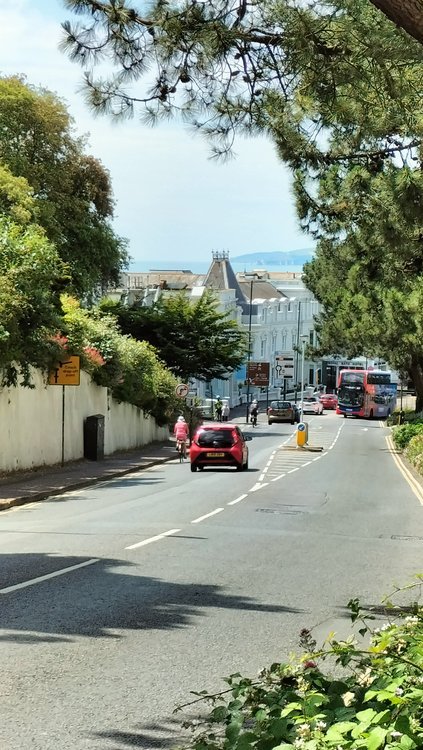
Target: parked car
(282, 411)
(329, 400)
(219, 444)
(312, 405)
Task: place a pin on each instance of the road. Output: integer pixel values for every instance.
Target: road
(118, 600)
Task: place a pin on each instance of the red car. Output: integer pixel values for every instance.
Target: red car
(329, 400)
(219, 444)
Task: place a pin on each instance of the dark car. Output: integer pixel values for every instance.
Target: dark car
(219, 444)
(282, 411)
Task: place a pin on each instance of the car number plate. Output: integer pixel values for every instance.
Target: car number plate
(215, 455)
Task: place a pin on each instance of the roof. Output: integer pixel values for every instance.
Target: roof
(221, 276)
(263, 290)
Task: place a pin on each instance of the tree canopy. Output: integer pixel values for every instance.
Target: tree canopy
(67, 191)
(194, 339)
(31, 275)
(339, 89)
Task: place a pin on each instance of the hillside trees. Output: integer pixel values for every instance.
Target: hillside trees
(70, 191)
(339, 90)
(194, 339)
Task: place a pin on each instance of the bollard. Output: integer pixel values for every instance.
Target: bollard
(302, 434)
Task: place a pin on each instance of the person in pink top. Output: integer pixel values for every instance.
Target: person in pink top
(181, 432)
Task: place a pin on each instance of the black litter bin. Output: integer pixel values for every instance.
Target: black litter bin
(94, 437)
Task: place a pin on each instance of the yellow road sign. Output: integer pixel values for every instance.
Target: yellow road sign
(65, 373)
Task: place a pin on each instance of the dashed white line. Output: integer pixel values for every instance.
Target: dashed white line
(261, 477)
(258, 486)
(207, 515)
(46, 577)
(238, 500)
(153, 539)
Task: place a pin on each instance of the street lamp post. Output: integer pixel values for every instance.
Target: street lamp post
(254, 276)
(303, 342)
(296, 354)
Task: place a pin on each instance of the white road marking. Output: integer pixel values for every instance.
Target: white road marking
(258, 486)
(279, 477)
(291, 471)
(365, 429)
(238, 500)
(46, 577)
(316, 459)
(306, 463)
(213, 513)
(153, 539)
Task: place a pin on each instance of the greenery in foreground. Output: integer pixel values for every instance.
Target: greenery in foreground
(374, 698)
(339, 90)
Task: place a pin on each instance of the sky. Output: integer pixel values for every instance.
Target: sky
(172, 201)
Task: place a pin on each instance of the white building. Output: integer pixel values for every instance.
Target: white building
(275, 308)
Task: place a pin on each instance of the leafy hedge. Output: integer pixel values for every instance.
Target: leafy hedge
(402, 435)
(376, 701)
(414, 452)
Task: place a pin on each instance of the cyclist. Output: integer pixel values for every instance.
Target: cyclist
(253, 412)
(181, 432)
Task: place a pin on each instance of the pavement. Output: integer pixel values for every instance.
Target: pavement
(33, 485)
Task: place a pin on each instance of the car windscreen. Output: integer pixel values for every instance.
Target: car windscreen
(310, 400)
(280, 404)
(215, 438)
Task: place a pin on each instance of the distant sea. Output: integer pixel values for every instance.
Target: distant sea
(141, 266)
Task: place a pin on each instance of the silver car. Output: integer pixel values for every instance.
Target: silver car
(312, 405)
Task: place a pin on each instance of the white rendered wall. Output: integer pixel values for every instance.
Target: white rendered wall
(31, 423)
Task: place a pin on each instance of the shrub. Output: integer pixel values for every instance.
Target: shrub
(414, 452)
(374, 702)
(403, 434)
(130, 368)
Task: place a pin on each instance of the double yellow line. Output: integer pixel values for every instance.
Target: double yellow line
(412, 481)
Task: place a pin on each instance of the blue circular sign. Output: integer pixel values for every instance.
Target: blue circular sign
(301, 427)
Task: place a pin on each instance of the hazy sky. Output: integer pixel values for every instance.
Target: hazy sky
(172, 202)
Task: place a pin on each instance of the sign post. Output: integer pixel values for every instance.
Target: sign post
(65, 373)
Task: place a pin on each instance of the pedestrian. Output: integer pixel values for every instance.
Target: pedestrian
(218, 409)
(225, 411)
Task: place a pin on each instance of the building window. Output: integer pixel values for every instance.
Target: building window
(311, 376)
(311, 335)
(263, 348)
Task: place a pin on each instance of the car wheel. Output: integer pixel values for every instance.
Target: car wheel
(240, 467)
(245, 467)
(201, 468)
(193, 467)
(269, 423)
(345, 416)
(371, 414)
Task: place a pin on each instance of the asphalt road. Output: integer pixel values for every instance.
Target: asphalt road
(163, 582)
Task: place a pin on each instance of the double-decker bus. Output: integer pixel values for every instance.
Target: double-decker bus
(366, 393)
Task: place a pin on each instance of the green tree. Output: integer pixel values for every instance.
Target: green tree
(71, 190)
(194, 339)
(16, 197)
(31, 274)
(339, 89)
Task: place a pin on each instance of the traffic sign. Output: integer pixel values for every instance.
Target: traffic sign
(181, 390)
(286, 363)
(66, 373)
(258, 373)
